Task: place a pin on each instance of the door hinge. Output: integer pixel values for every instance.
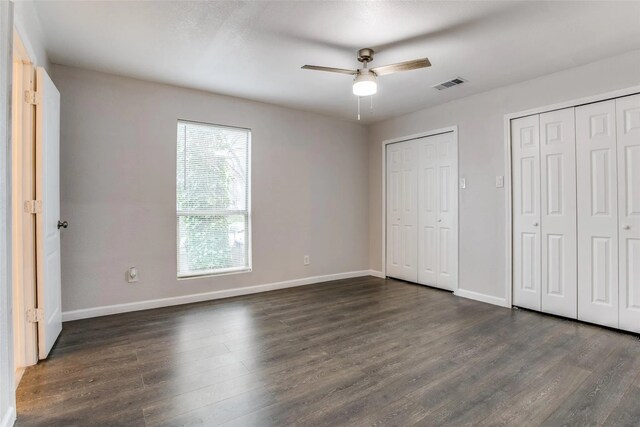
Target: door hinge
(33, 206)
(35, 315)
(31, 97)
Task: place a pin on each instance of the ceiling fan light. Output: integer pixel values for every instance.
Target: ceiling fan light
(365, 84)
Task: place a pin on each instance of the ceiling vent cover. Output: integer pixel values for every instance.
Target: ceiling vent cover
(451, 83)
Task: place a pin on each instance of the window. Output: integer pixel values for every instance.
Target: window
(213, 199)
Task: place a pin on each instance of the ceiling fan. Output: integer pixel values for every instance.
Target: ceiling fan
(365, 82)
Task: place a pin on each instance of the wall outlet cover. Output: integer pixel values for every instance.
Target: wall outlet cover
(132, 275)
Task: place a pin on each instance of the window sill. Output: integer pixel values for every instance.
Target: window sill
(214, 273)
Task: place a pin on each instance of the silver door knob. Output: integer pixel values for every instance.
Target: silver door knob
(626, 227)
(535, 224)
(439, 220)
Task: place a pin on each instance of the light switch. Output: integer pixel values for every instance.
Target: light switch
(463, 183)
(499, 181)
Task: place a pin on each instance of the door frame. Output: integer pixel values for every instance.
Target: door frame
(508, 214)
(448, 129)
(25, 339)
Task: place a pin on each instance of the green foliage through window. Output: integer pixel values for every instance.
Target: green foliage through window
(212, 198)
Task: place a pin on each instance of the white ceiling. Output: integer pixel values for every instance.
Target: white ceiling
(255, 50)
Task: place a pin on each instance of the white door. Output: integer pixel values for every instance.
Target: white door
(438, 215)
(559, 279)
(597, 213)
(428, 213)
(628, 133)
(402, 210)
(525, 137)
(48, 193)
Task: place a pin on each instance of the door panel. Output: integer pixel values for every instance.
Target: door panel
(628, 135)
(402, 210)
(447, 219)
(525, 138)
(394, 216)
(438, 216)
(428, 250)
(559, 281)
(48, 192)
(597, 213)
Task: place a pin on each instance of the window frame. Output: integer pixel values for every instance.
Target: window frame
(226, 212)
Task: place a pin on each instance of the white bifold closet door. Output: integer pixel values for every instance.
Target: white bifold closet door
(422, 210)
(402, 210)
(559, 279)
(544, 212)
(628, 136)
(576, 212)
(438, 211)
(597, 174)
(525, 137)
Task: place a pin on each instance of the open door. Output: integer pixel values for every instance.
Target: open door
(47, 209)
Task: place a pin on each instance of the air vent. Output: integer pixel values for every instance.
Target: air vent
(451, 83)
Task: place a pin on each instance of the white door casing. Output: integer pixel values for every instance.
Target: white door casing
(525, 137)
(597, 213)
(402, 210)
(628, 147)
(559, 281)
(48, 193)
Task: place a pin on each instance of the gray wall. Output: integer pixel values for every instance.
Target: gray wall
(481, 157)
(118, 155)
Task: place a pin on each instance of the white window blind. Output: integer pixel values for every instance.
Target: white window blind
(213, 199)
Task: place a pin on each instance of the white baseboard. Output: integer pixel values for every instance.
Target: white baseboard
(376, 273)
(9, 418)
(481, 297)
(225, 293)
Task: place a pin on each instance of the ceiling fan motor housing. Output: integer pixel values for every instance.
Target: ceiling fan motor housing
(365, 55)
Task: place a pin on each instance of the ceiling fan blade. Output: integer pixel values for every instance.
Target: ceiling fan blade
(402, 66)
(330, 69)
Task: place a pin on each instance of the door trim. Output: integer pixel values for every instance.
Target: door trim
(508, 214)
(454, 130)
(23, 283)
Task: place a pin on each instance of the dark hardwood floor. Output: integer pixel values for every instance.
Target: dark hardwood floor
(362, 351)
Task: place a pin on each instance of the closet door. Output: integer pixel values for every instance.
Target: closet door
(447, 210)
(628, 136)
(597, 213)
(428, 213)
(402, 210)
(558, 208)
(438, 212)
(525, 138)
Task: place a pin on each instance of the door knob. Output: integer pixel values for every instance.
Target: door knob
(535, 224)
(626, 227)
(62, 224)
(439, 220)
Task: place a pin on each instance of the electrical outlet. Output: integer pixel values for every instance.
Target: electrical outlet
(306, 260)
(132, 275)
(463, 183)
(499, 181)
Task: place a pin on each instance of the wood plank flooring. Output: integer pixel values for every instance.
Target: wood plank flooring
(362, 351)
